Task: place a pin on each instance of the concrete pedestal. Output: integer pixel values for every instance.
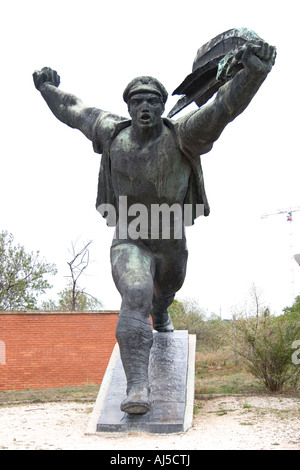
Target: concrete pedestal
(171, 377)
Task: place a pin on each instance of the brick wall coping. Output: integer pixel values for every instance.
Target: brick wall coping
(58, 312)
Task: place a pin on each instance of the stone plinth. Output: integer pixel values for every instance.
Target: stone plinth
(171, 377)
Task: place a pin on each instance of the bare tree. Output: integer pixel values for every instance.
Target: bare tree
(78, 264)
(73, 297)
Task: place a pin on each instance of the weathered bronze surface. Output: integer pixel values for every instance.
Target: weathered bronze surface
(168, 368)
(149, 161)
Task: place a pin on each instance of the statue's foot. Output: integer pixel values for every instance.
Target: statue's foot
(137, 402)
(165, 327)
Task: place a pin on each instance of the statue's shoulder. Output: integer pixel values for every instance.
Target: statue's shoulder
(106, 127)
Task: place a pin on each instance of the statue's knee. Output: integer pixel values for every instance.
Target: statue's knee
(134, 331)
(138, 297)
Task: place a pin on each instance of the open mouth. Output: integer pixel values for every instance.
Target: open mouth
(145, 117)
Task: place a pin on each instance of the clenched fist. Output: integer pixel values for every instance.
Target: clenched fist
(46, 75)
(259, 56)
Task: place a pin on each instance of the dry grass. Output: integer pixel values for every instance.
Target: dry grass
(216, 372)
(87, 392)
(219, 372)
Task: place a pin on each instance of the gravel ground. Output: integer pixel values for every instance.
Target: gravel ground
(232, 423)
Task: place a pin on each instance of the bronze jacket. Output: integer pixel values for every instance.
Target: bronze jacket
(107, 128)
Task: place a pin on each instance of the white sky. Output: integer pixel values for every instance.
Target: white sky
(49, 171)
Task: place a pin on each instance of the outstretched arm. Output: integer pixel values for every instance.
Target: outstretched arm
(66, 107)
(204, 126)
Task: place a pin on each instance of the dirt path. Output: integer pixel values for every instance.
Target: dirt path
(224, 423)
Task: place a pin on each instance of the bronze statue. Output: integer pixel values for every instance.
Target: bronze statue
(154, 161)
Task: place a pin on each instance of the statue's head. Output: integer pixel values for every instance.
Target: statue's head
(145, 85)
(146, 98)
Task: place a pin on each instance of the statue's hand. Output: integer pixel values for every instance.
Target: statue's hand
(46, 75)
(258, 57)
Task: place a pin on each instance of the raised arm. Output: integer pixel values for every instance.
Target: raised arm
(204, 126)
(66, 107)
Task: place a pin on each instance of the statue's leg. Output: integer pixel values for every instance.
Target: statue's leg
(133, 270)
(169, 276)
(161, 318)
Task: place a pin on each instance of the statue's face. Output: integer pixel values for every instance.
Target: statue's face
(145, 109)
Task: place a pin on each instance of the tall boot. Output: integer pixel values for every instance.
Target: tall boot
(162, 321)
(135, 346)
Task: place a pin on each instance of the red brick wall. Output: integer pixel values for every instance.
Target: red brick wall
(47, 350)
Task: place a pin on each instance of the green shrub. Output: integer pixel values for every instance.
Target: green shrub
(211, 332)
(265, 344)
